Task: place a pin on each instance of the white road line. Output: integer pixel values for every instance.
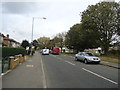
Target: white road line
(69, 62)
(44, 78)
(100, 76)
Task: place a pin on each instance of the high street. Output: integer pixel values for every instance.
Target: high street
(60, 71)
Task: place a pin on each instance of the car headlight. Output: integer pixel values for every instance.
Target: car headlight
(90, 58)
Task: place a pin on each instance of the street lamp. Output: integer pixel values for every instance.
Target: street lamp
(33, 25)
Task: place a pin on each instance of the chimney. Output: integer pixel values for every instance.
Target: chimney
(7, 35)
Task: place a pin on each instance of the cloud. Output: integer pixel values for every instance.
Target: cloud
(21, 7)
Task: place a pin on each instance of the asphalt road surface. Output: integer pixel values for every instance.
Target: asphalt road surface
(64, 72)
(60, 71)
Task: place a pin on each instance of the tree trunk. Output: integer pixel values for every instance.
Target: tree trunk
(105, 48)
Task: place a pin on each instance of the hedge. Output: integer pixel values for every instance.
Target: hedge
(115, 53)
(9, 51)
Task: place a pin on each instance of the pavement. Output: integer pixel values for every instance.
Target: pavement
(114, 65)
(27, 74)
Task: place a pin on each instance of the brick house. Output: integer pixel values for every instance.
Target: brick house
(9, 42)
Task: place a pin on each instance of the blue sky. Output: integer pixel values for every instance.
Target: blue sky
(60, 14)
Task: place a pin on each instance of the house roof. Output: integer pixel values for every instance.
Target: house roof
(6, 38)
(9, 39)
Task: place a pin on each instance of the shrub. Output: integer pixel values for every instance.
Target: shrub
(9, 51)
(114, 53)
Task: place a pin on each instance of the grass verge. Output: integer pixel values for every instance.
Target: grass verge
(110, 59)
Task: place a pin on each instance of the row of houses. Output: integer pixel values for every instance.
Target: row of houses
(6, 41)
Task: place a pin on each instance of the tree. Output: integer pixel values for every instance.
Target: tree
(25, 44)
(35, 43)
(79, 39)
(43, 41)
(59, 40)
(74, 38)
(102, 19)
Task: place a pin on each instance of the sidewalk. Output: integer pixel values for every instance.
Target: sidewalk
(115, 65)
(27, 75)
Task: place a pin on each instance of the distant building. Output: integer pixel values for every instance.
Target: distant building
(8, 42)
(115, 47)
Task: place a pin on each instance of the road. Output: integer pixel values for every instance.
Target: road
(60, 71)
(64, 72)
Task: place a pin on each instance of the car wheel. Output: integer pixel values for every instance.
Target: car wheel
(98, 62)
(85, 61)
(76, 59)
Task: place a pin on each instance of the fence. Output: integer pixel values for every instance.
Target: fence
(11, 62)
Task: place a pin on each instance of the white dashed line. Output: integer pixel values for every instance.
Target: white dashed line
(29, 65)
(70, 63)
(100, 76)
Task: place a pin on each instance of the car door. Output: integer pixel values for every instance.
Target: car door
(82, 56)
(79, 55)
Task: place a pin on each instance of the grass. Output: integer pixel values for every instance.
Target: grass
(112, 59)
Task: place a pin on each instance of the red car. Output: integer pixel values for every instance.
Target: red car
(55, 51)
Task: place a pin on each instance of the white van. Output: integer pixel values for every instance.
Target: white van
(45, 52)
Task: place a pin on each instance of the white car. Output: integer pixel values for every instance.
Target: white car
(45, 52)
(87, 57)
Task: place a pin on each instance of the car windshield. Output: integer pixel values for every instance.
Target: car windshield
(89, 54)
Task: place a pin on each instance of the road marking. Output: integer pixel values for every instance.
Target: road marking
(69, 62)
(100, 76)
(29, 65)
(44, 78)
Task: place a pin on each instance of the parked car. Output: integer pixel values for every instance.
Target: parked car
(40, 51)
(55, 51)
(45, 52)
(87, 57)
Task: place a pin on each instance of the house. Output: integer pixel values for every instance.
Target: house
(65, 49)
(116, 46)
(9, 42)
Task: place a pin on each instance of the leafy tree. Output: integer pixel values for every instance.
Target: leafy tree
(80, 39)
(59, 39)
(35, 43)
(24, 43)
(102, 19)
(74, 38)
(43, 41)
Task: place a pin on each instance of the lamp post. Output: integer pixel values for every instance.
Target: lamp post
(33, 25)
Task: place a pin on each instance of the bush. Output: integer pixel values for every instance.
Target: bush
(8, 51)
(114, 53)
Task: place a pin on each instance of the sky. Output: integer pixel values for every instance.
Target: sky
(60, 15)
